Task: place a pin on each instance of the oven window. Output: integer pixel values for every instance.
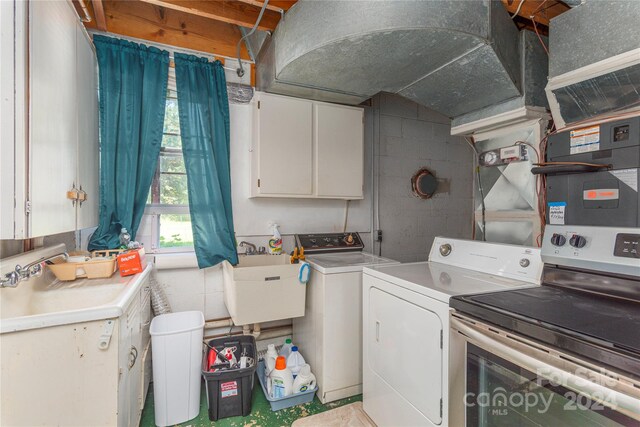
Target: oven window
(500, 393)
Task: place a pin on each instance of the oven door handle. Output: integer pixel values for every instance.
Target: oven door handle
(597, 392)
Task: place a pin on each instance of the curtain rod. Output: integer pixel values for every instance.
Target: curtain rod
(170, 49)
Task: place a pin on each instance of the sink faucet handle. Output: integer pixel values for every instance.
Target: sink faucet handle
(10, 280)
(250, 248)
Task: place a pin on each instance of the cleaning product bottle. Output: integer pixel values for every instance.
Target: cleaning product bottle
(275, 243)
(305, 380)
(124, 238)
(280, 383)
(286, 348)
(270, 359)
(295, 361)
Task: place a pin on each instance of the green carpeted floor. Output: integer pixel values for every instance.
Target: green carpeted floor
(261, 413)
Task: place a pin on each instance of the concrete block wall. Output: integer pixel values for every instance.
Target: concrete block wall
(409, 137)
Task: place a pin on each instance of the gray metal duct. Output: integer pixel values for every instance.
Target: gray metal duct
(592, 32)
(534, 62)
(594, 62)
(452, 56)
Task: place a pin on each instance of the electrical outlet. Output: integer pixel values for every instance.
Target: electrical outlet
(378, 235)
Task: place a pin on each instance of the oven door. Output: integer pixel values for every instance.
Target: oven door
(498, 379)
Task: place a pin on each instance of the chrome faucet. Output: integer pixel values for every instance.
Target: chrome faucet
(250, 248)
(33, 269)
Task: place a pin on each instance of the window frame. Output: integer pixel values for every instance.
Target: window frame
(155, 209)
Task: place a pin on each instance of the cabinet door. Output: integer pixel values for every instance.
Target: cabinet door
(53, 119)
(339, 134)
(88, 147)
(135, 368)
(124, 374)
(9, 67)
(284, 144)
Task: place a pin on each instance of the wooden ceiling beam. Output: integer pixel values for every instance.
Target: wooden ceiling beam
(161, 25)
(542, 11)
(98, 14)
(274, 5)
(231, 12)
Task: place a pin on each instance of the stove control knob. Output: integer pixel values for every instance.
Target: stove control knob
(577, 241)
(558, 239)
(445, 249)
(524, 263)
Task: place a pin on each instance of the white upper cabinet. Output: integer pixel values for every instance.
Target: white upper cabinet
(53, 120)
(306, 149)
(88, 177)
(51, 106)
(339, 136)
(284, 153)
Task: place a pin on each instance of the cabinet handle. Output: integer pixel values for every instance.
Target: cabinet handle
(377, 331)
(82, 196)
(73, 194)
(133, 356)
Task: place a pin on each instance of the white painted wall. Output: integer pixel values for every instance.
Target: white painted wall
(252, 216)
(193, 289)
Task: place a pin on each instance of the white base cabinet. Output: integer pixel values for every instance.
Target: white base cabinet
(60, 376)
(306, 149)
(49, 132)
(330, 333)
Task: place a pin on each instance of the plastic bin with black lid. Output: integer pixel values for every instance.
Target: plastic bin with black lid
(229, 390)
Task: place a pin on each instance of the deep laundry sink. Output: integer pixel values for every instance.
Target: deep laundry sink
(263, 288)
(45, 301)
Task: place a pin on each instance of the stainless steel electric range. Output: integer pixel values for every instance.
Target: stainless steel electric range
(564, 353)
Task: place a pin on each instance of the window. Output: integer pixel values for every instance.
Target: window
(168, 202)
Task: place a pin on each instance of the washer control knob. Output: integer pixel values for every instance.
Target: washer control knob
(577, 241)
(558, 239)
(524, 263)
(445, 249)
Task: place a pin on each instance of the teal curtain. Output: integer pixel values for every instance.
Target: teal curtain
(203, 108)
(133, 91)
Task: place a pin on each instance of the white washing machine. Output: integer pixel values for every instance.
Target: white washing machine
(330, 333)
(406, 323)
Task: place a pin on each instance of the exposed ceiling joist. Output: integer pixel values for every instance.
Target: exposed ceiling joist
(273, 5)
(541, 11)
(231, 12)
(162, 25)
(98, 13)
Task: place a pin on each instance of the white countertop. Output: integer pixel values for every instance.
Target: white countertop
(40, 303)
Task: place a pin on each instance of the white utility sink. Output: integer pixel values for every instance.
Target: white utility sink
(263, 288)
(45, 301)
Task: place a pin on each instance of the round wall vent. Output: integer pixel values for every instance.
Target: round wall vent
(424, 184)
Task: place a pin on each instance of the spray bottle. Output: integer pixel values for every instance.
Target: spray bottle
(275, 243)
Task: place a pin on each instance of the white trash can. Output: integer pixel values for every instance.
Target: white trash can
(176, 341)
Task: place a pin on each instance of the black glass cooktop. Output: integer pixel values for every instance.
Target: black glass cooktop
(579, 322)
